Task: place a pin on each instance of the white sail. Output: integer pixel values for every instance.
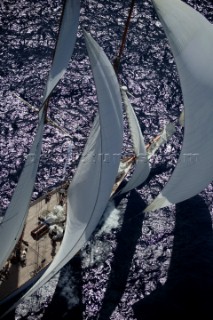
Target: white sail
(191, 39)
(92, 184)
(162, 138)
(12, 224)
(142, 168)
(65, 44)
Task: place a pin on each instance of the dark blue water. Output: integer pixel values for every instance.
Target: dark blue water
(157, 259)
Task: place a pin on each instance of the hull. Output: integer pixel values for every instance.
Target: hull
(36, 241)
(12, 298)
(19, 277)
(40, 247)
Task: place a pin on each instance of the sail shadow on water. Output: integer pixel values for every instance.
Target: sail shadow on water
(68, 293)
(189, 284)
(89, 260)
(127, 238)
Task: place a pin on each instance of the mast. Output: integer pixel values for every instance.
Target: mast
(116, 63)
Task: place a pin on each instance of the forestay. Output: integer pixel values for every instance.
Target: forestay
(191, 39)
(15, 216)
(92, 184)
(142, 168)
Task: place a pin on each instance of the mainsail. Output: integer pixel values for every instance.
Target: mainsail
(15, 216)
(191, 39)
(142, 169)
(92, 184)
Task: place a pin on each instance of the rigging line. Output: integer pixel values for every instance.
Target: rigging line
(25, 102)
(48, 120)
(116, 62)
(32, 249)
(54, 124)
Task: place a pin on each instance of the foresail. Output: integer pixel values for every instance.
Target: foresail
(65, 44)
(14, 219)
(142, 168)
(191, 39)
(161, 139)
(92, 184)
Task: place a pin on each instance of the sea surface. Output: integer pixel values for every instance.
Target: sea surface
(159, 264)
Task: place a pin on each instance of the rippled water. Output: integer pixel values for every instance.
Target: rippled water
(130, 258)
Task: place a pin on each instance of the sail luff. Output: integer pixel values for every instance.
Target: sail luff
(191, 39)
(65, 45)
(142, 168)
(91, 187)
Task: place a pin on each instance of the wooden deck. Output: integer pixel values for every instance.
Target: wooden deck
(39, 253)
